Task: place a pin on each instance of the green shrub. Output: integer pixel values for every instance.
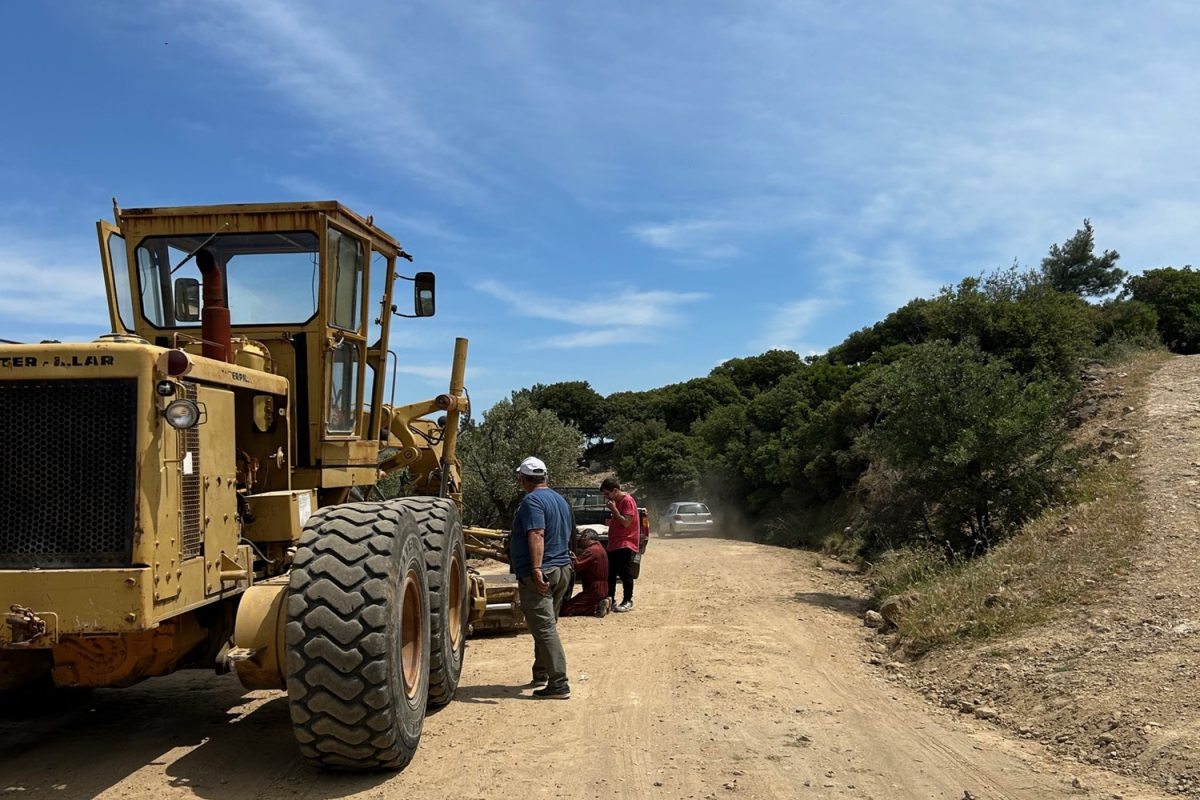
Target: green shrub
(976, 448)
(1174, 296)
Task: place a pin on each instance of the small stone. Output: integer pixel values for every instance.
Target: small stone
(873, 619)
(985, 712)
(658, 783)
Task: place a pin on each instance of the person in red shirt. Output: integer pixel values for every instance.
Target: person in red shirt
(624, 530)
(591, 570)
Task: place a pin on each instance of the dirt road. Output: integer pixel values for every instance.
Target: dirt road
(740, 674)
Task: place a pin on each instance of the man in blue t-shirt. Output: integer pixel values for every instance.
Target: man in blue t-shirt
(540, 559)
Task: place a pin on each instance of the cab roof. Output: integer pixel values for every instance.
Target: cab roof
(331, 208)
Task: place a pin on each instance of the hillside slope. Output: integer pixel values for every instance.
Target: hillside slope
(1114, 682)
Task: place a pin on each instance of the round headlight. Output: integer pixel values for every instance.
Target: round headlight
(182, 414)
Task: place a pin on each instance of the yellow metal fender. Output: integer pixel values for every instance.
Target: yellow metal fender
(257, 654)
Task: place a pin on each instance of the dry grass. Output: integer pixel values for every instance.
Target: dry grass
(1058, 559)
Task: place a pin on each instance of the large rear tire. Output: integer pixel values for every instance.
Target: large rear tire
(446, 566)
(357, 637)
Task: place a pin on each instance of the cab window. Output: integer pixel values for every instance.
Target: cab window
(343, 390)
(346, 277)
(120, 270)
(270, 278)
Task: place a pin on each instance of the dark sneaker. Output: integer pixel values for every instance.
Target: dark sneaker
(626, 606)
(538, 680)
(553, 693)
(604, 607)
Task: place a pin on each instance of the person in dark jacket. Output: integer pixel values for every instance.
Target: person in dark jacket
(591, 570)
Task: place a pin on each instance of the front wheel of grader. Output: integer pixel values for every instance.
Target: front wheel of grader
(357, 638)
(449, 590)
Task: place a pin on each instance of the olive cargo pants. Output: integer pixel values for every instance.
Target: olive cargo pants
(541, 614)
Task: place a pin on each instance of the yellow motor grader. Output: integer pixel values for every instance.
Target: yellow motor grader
(194, 490)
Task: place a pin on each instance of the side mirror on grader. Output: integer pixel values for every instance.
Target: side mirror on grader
(233, 541)
(187, 300)
(423, 296)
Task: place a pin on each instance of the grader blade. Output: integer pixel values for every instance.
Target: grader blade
(495, 605)
(501, 608)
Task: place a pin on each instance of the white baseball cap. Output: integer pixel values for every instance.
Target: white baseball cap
(532, 468)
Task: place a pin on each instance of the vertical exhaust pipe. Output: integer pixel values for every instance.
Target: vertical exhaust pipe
(214, 314)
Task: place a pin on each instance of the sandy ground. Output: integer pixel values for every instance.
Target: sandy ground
(740, 674)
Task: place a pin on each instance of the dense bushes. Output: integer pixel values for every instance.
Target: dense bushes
(964, 448)
(945, 424)
(1173, 295)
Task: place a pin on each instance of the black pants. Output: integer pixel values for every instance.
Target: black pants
(618, 567)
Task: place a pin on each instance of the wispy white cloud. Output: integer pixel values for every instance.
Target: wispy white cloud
(624, 316)
(43, 284)
(637, 309)
(790, 324)
(706, 239)
(600, 337)
(423, 224)
(438, 374)
(324, 72)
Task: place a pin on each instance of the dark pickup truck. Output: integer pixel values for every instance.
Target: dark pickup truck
(587, 504)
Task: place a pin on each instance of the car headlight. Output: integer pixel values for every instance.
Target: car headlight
(182, 413)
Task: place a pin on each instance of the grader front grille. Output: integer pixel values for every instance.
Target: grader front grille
(68, 451)
(190, 527)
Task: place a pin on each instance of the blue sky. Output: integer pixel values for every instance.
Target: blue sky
(626, 193)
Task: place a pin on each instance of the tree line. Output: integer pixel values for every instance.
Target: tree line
(945, 423)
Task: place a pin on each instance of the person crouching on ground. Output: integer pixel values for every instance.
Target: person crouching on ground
(541, 562)
(624, 531)
(591, 569)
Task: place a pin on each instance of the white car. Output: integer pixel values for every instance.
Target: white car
(684, 518)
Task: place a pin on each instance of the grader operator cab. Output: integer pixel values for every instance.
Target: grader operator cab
(177, 493)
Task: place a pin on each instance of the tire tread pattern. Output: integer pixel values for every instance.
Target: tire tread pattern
(438, 520)
(342, 706)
